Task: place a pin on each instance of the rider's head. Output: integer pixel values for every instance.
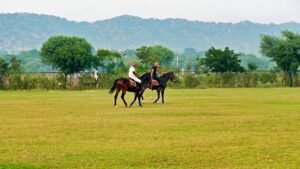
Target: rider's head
(135, 64)
(156, 64)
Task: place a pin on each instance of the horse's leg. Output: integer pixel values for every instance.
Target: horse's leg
(135, 97)
(141, 96)
(158, 96)
(163, 96)
(140, 103)
(123, 97)
(116, 96)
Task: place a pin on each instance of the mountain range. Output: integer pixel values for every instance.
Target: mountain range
(25, 31)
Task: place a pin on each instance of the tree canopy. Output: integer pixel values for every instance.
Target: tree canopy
(218, 60)
(15, 65)
(67, 54)
(149, 55)
(285, 51)
(111, 61)
(3, 67)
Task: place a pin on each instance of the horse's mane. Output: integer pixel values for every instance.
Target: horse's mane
(144, 76)
(166, 74)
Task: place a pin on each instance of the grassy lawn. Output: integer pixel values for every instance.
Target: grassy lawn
(211, 128)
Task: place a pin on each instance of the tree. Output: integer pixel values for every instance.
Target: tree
(109, 60)
(285, 51)
(164, 55)
(149, 55)
(252, 67)
(200, 66)
(218, 60)
(67, 54)
(15, 65)
(3, 71)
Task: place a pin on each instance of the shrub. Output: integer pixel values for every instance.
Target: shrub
(191, 81)
(268, 79)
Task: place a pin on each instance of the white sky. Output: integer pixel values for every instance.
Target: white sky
(263, 11)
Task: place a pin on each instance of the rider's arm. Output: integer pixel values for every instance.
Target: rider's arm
(152, 71)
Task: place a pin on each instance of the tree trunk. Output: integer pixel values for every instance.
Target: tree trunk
(66, 80)
(289, 78)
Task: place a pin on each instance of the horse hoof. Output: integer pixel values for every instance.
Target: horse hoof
(116, 106)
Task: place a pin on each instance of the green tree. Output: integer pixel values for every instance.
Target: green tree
(149, 55)
(200, 66)
(218, 60)
(15, 65)
(111, 61)
(285, 51)
(67, 54)
(3, 71)
(252, 67)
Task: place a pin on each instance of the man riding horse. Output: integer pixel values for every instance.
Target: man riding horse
(154, 75)
(159, 83)
(124, 84)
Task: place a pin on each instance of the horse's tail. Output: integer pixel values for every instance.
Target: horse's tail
(112, 90)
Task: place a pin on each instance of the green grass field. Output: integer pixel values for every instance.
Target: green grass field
(209, 128)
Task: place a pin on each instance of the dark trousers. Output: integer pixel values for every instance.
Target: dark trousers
(158, 79)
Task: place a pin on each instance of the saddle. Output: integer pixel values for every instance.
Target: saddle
(155, 83)
(132, 83)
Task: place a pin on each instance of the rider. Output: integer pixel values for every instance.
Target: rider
(133, 75)
(154, 72)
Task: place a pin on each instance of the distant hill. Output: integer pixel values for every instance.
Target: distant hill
(23, 31)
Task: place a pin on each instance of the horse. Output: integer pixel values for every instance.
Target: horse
(162, 86)
(124, 85)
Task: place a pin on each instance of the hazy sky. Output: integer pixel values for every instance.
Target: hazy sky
(263, 11)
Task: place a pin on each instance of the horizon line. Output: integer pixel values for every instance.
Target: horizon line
(146, 18)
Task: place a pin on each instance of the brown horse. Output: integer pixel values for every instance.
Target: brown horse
(124, 85)
(160, 88)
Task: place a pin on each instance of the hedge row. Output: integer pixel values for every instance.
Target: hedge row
(184, 80)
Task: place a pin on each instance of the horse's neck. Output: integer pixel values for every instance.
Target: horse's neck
(166, 78)
(143, 78)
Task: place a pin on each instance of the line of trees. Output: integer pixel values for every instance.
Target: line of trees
(71, 55)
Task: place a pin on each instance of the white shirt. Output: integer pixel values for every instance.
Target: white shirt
(132, 76)
(95, 75)
(131, 72)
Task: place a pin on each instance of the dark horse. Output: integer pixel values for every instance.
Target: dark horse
(124, 85)
(162, 86)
